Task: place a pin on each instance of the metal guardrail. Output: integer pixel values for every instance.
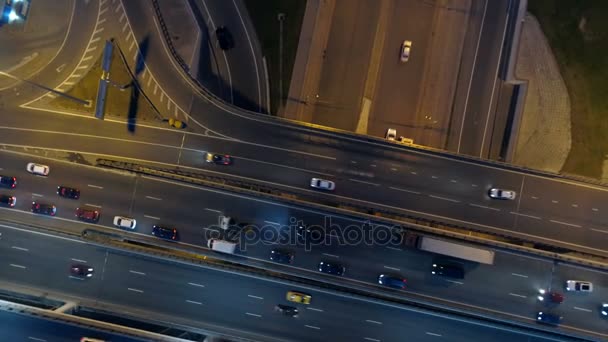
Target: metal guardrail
(382, 216)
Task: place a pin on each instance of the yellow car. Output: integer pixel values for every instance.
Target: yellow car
(176, 123)
(298, 297)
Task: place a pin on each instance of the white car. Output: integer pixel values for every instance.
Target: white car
(496, 193)
(405, 50)
(579, 286)
(125, 222)
(37, 169)
(322, 184)
(391, 134)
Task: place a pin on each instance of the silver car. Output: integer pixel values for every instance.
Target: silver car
(502, 194)
(579, 286)
(405, 50)
(322, 184)
(125, 222)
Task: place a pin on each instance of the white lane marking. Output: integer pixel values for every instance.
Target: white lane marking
(152, 217)
(554, 201)
(79, 260)
(519, 275)
(94, 186)
(20, 248)
(524, 215)
(434, 177)
(92, 205)
(483, 207)
(600, 230)
(274, 223)
(392, 268)
(372, 165)
(574, 205)
(37, 195)
(215, 211)
(154, 198)
(566, 224)
(453, 181)
(582, 309)
(432, 334)
(315, 309)
(444, 198)
(373, 322)
(36, 339)
(414, 172)
(193, 302)
(517, 295)
(256, 297)
(364, 182)
(195, 284)
(404, 190)
(331, 255)
(312, 327)
(252, 314)
(18, 266)
(534, 197)
(371, 339)
(354, 162)
(393, 169)
(135, 290)
(394, 248)
(77, 278)
(280, 165)
(455, 282)
(595, 209)
(474, 185)
(137, 272)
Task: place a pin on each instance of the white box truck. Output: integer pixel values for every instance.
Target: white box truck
(222, 246)
(449, 248)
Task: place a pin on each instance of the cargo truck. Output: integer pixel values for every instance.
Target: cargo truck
(222, 246)
(449, 248)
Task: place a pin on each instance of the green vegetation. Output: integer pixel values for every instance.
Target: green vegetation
(117, 101)
(264, 17)
(578, 34)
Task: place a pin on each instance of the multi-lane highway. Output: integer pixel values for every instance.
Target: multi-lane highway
(509, 287)
(206, 297)
(268, 150)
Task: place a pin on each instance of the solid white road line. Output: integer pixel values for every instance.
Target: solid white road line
(517, 295)
(566, 224)
(37, 195)
(315, 309)
(193, 302)
(519, 275)
(483, 207)
(455, 282)
(252, 314)
(392, 268)
(312, 327)
(154, 198)
(273, 223)
(94, 186)
(331, 255)
(433, 334)
(364, 182)
(373, 322)
(444, 198)
(197, 285)
(20, 248)
(524, 215)
(92, 205)
(18, 266)
(600, 230)
(79, 260)
(581, 309)
(371, 339)
(152, 217)
(137, 272)
(404, 190)
(256, 297)
(215, 211)
(135, 290)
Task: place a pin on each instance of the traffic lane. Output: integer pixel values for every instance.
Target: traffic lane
(246, 79)
(484, 79)
(399, 84)
(159, 61)
(17, 327)
(104, 148)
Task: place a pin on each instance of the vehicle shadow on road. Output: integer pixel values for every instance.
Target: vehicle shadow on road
(135, 88)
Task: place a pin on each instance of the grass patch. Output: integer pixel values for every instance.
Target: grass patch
(117, 101)
(578, 35)
(264, 17)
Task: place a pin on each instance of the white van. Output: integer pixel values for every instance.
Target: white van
(391, 134)
(222, 246)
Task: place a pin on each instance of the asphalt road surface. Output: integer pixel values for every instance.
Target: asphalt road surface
(242, 303)
(508, 287)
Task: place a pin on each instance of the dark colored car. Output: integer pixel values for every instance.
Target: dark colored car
(44, 208)
(331, 268)
(282, 256)
(287, 310)
(7, 200)
(81, 271)
(392, 281)
(550, 296)
(8, 182)
(216, 158)
(548, 318)
(224, 38)
(88, 215)
(448, 269)
(164, 232)
(68, 192)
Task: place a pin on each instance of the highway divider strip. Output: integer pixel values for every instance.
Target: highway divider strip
(375, 215)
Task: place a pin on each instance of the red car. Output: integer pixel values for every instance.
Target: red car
(550, 296)
(88, 215)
